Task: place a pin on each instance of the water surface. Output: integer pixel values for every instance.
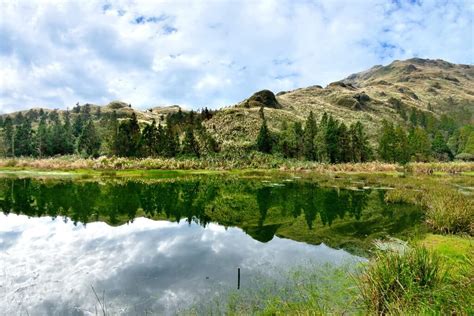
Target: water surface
(161, 246)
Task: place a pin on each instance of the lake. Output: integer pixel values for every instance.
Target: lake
(71, 245)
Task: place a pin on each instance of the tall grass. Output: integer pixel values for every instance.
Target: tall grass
(397, 283)
(225, 161)
(446, 209)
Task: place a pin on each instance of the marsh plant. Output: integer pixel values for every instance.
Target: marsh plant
(413, 282)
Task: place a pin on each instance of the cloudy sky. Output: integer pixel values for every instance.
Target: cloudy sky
(210, 52)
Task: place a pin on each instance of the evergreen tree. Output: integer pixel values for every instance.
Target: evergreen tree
(440, 149)
(360, 148)
(68, 135)
(344, 144)
(420, 144)
(57, 136)
(298, 134)
(89, 141)
(8, 137)
(285, 141)
(320, 141)
(24, 139)
(171, 142)
(387, 142)
(310, 131)
(128, 137)
(402, 147)
(332, 140)
(18, 119)
(111, 135)
(148, 140)
(190, 145)
(160, 145)
(264, 141)
(42, 138)
(77, 125)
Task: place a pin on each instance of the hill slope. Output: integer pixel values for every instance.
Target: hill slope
(431, 86)
(391, 92)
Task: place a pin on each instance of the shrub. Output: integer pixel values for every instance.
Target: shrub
(396, 283)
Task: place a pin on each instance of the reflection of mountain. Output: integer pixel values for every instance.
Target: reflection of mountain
(301, 211)
(262, 233)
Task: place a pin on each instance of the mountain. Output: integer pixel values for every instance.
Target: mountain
(436, 87)
(392, 92)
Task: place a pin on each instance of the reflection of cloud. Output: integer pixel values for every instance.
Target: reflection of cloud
(158, 265)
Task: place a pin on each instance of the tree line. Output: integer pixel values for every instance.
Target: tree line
(422, 138)
(180, 133)
(327, 141)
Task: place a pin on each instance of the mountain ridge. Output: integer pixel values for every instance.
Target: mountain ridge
(432, 87)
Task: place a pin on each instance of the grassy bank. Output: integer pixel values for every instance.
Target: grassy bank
(222, 162)
(419, 281)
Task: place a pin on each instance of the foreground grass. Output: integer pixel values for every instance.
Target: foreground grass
(418, 281)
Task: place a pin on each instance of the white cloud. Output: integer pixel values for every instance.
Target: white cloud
(48, 267)
(210, 53)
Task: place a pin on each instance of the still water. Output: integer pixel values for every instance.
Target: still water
(69, 246)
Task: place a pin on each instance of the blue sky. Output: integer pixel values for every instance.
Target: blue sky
(212, 52)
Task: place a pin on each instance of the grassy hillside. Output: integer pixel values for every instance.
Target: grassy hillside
(391, 92)
(431, 86)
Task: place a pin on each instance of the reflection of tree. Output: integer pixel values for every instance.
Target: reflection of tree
(264, 203)
(238, 202)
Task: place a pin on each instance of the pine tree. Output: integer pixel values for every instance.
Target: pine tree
(24, 139)
(360, 148)
(171, 142)
(190, 145)
(89, 141)
(68, 135)
(111, 134)
(332, 140)
(128, 137)
(42, 138)
(78, 125)
(402, 148)
(420, 144)
(57, 136)
(344, 144)
(148, 140)
(264, 141)
(320, 141)
(298, 134)
(387, 142)
(440, 149)
(285, 141)
(310, 132)
(160, 145)
(8, 137)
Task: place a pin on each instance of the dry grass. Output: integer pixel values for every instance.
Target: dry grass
(253, 160)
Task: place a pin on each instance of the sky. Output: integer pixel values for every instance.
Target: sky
(211, 53)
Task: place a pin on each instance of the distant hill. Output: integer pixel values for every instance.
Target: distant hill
(382, 92)
(391, 92)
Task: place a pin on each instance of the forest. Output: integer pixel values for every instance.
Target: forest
(182, 134)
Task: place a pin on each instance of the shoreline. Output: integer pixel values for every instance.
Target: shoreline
(221, 164)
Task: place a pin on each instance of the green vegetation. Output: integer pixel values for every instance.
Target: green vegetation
(418, 281)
